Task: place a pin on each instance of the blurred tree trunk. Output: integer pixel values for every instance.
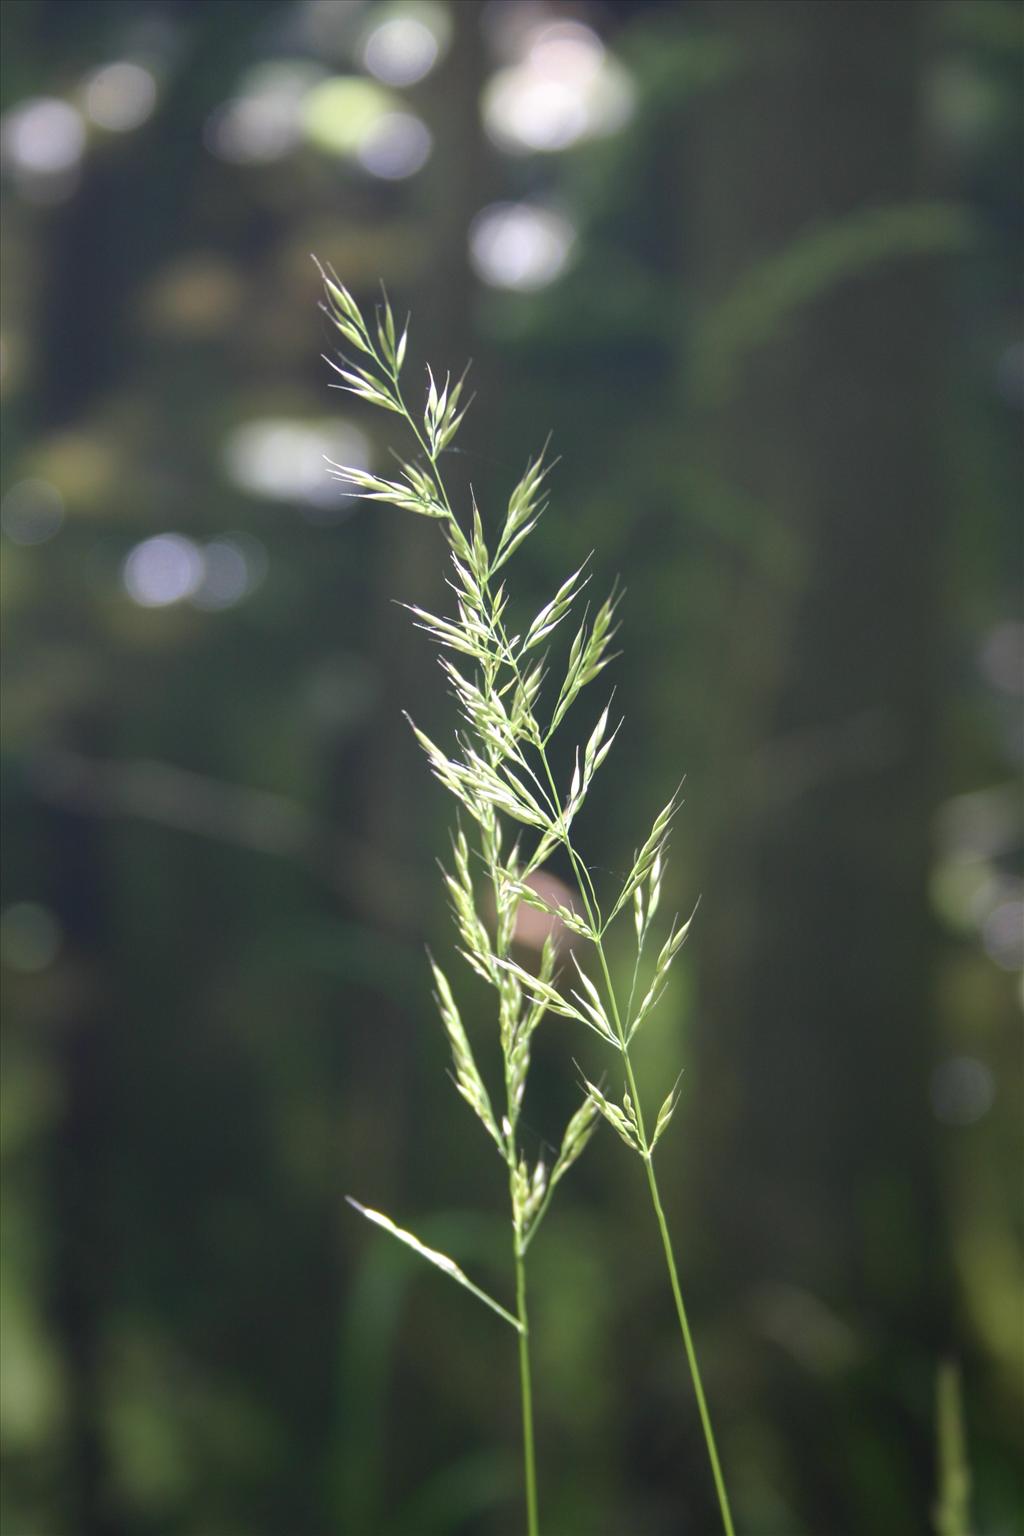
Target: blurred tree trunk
(389, 804)
(815, 944)
(411, 552)
(85, 277)
(392, 808)
(406, 554)
(79, 1170)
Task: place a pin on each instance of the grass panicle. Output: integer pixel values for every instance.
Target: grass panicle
(500, 773)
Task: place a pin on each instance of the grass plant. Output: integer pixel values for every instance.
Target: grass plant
(512, 702)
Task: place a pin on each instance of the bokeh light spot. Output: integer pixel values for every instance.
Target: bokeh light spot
(120, 96)
(339, 113)
(251, 130)
(30, 936)
(264, 121)
(233, 566)
(566, 88)
(31, 512)
(568, 49)
(1002, 934)
(43, 136)
(524, 113)
(1010, 374)
(42, 141)
(962, 1090)
(163, 570)
(397, 145)
(283, 459)
(403, 48)
(1002, 657)
(520, 245)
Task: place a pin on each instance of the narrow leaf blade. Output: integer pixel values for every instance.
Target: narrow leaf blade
(433, 1256)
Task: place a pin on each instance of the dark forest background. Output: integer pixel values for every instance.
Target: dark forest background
(758, 267)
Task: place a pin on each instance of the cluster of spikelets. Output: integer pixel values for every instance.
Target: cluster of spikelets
(499, 770)
(500, 774)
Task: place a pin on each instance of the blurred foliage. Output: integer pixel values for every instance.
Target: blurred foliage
(952, 1516)
(762, 280)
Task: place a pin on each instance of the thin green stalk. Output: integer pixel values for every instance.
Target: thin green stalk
(594, 918)
(691, 1354)
(526, 1395)
(670, 1261)
(952, 1513)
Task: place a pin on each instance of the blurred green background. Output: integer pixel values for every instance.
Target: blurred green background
(758, 267)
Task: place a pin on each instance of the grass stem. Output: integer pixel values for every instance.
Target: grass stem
(526, 1393)
(691, 1353)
